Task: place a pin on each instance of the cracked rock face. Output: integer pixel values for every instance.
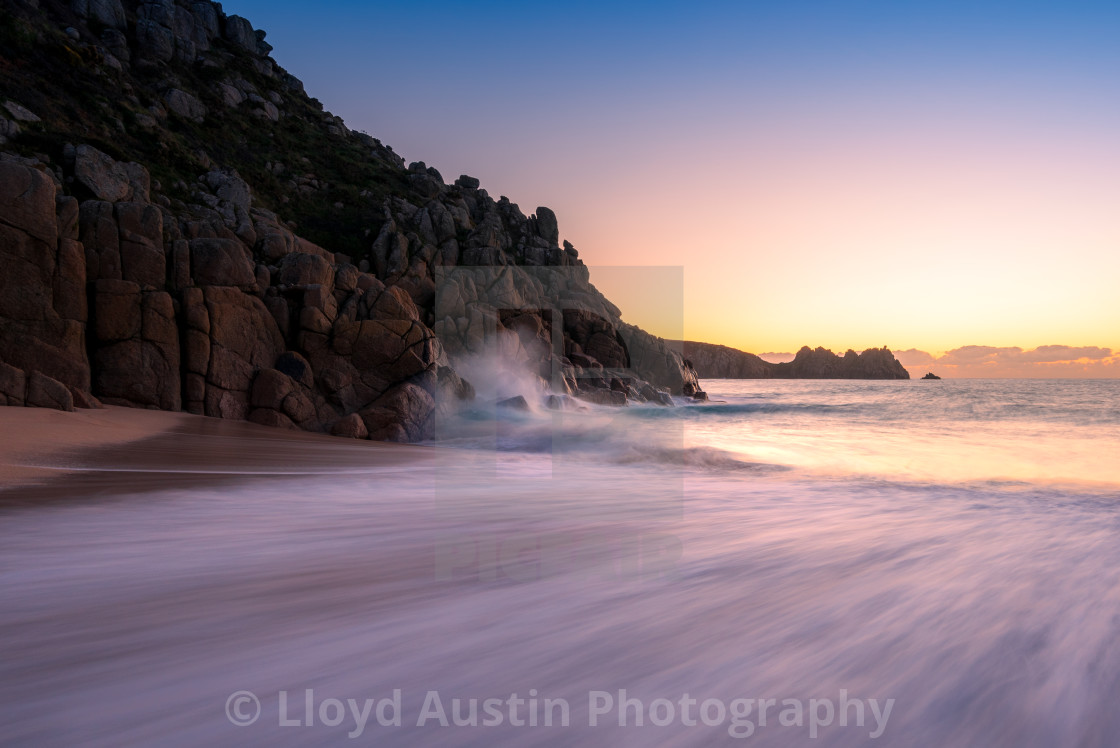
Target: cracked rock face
(106, 12)
(117, 288)
(173, 323)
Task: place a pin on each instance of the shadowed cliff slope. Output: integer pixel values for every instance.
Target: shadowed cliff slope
(183, 227)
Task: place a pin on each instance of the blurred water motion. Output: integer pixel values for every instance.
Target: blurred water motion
(798, 543)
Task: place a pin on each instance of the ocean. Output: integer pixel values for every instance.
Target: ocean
(827, 563)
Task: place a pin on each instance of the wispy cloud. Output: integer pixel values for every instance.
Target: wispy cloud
(1056, 353)
(914, 357)
(992, 361)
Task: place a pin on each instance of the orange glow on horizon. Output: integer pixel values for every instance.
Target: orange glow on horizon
(920, 176)
(859, 246)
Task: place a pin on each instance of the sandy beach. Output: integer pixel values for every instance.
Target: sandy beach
(48, 455)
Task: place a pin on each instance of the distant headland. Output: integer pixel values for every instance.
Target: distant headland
(713, 361)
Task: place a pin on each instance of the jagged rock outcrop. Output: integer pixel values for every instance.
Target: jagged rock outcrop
(282, 269)
(721, 362)
(820, 363)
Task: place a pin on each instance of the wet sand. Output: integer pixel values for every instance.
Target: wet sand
(51, 456)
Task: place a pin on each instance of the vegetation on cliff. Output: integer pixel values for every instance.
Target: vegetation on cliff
(186, 228)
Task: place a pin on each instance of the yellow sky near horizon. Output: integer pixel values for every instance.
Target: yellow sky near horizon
(917, 175)
(978, 245)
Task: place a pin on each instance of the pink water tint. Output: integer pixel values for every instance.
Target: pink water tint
(987, 610)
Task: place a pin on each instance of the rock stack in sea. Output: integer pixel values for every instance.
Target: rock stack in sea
(183, 227)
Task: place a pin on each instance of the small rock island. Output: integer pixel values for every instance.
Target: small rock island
(931, 375)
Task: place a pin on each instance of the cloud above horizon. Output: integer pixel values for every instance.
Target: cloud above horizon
(1012, 361)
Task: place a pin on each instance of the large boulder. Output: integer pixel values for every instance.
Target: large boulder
(230, 187)
(299, 269)
(20, 113)
(547, 227)
(40, 331)
(184, 105)
(277, 392)
(116, 44)
(351, 426)
(239, 31)
(108, 179)
(154, 41)
(44, 392)
(404, 413)
(159, 11)
(270, 388)
(207, 25)
(116, 310)
(106, 12)
(386, 351)
(27, 201)
(13, 385)
(222, 262)
(140, 231)
(296, 367)
(136, 356)
(244, 339)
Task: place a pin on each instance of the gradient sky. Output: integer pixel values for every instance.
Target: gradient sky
(852, 174)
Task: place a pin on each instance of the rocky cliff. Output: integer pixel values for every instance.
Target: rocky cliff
(183, 227)
(720, 362)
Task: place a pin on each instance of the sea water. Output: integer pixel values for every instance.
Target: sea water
(794, 563)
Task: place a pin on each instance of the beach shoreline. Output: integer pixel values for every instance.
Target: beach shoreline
(49, 455)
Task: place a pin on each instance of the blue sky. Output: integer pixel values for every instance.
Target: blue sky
(755, 142)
